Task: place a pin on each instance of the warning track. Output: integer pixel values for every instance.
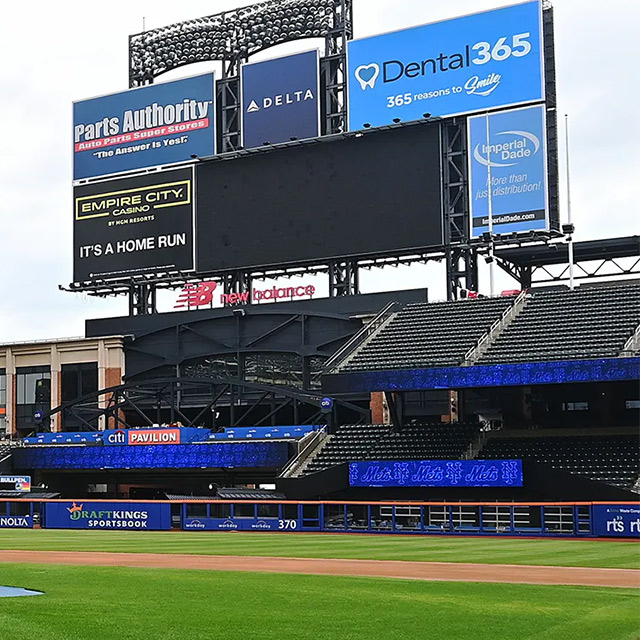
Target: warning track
(446, 571)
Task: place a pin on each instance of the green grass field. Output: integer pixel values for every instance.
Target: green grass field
(572, 553)
(104, 603)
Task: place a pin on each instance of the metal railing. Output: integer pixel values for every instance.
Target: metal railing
(474, 354)
(314, 439)
(347, 349)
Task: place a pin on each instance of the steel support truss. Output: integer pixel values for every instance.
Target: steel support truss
(532, 275)
(191, 401)
(462, 259)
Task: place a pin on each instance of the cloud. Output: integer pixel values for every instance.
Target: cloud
(54, 53)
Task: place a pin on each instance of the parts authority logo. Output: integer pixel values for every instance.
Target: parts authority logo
(367, 74)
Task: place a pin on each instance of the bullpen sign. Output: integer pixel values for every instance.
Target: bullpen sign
(139, 224)
(476, 62)
(153, 125)
(141, 516)
(515, 157)
(280, 99)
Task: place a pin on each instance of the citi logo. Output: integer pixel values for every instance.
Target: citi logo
(281, 100)
(507, 154)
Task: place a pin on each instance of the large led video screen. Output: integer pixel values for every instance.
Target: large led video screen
(373, 194)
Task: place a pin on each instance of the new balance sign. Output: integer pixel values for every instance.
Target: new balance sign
(280, 99)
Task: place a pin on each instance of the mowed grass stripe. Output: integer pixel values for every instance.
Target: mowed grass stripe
(575, 553)
(105, 603)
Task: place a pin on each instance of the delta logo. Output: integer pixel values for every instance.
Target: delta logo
(281, 100)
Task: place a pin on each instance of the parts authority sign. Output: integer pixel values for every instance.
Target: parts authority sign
(154, 125)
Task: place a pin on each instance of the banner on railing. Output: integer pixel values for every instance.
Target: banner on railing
(618, 520)
(436, 473)
(140, 516)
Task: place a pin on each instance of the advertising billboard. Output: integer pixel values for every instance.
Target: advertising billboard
(510, 148)
(374, 194)
(436, 473)
(133, 516)
(280, 99)
(154, 125)
(140, 224)
(15, 483)
(616, 520)
(473, 63)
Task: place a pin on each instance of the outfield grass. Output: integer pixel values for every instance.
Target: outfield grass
(571, 553)
(104, 603)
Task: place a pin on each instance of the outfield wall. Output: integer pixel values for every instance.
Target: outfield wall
(570, 519)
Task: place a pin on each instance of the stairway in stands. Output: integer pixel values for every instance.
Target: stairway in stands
(588, 322)
(380, 442)
(427, 335)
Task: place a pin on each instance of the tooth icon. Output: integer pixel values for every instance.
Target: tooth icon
(367, 74)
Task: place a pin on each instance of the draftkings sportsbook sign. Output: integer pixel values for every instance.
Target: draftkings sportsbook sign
(107, 515)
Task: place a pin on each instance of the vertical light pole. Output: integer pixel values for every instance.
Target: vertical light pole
(568, 228)
(490, 206)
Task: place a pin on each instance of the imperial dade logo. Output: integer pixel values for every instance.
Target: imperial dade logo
(513, 147)
(281, 100)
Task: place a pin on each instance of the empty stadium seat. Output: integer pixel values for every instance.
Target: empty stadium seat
(611, 459)
(380, 442)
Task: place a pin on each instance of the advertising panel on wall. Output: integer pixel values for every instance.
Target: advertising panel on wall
(374, 194)
(16, 522)
(280, 99)
(616, 520)
(472, 63)
(436, 473)
(133, 225)
(15, 483)
(510, 147)
(133, 516)
(154, 125)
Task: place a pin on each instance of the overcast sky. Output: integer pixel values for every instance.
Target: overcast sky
(54, 53)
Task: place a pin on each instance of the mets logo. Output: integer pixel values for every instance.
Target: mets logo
(196, 295)
(74, 507)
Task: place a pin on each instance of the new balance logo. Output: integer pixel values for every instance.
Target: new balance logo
(196, 295)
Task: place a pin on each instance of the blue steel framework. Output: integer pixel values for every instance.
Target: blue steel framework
(533, 519)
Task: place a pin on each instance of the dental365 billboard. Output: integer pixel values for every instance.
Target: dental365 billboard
(159, 124)
(473, 63)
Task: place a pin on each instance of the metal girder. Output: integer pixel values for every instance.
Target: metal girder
(462, 261)
(148, 399)
(344, 278)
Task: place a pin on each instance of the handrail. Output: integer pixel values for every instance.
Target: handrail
(359, 337)
(304, 453)
(471, 355)
(632, 344)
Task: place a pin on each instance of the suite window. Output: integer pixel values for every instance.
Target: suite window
(33, 393)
